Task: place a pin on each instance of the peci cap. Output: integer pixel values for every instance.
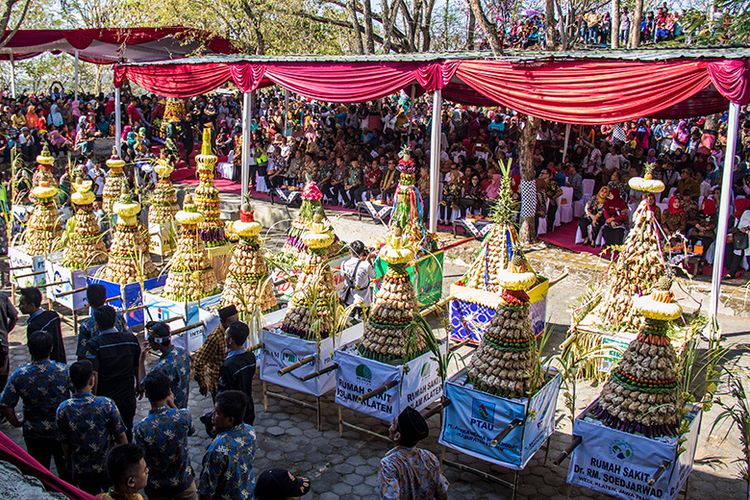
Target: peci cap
(279, 484)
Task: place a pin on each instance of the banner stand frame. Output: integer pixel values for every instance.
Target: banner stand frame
(317, 406)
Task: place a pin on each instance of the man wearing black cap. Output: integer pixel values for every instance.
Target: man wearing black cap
(174, 362)
(407, 472)
(238, 369)
(280, 484)
(96, 295)
(208, 360)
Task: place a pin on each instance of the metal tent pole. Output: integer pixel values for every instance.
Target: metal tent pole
(118, 121)
(12, 77)
(567, 142)
(286, 112)
(75, 75)
(721, 230)
(247, 120)
(437, 104)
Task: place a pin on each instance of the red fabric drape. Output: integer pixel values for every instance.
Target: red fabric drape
(584, 91)
(179, 80)
(732, 79)
(16, 455)
(343, 82)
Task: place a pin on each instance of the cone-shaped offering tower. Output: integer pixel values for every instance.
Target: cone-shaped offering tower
(114, 182)
(390, 335)
(164, 200)
(311, 205)
(408, 208)
(190, 275)
(207, 196)
(43, 171)
(43, 227)
(247, 286)
(639, 265)
(129, 260)
(310, 311)
(496, 251)
(506, 363)
(641, 393)
(85, 246)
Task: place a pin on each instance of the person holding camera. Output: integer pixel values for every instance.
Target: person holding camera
(358, 273)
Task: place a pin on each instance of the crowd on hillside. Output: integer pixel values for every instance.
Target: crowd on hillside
(595, 27)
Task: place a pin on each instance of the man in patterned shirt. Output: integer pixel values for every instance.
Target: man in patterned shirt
(42, 385)
(228, 463)
(174, 362)
(97, 296)
(163, 435)
(208, 360)
(407, 472)
(87, 425)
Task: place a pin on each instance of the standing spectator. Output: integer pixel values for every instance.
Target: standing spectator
(8, 319)
(96, 295)
(407, 472)
(228, 462)
(128, 473)
(358, 273)
(42, 320)
(173, 362)
(42, 385)
(624, 27)
(115, 355)
(238, 369)
(209, 359)
(87, 425)
(163, 435)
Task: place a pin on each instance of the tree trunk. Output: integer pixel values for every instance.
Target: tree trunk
(549, 23)
(370, 45)
(635, 25)
(356, 27)
(386, 14)
(615, 35)
(527, 233)
(471, 28)
(488, 27)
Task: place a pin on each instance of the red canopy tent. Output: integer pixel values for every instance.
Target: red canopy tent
(588, 87)
(111, 45)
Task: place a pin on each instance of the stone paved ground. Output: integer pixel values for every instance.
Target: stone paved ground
(346, 466)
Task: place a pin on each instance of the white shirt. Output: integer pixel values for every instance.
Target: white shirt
(360, 292)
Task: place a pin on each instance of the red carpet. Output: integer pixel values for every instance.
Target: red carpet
(565, 237)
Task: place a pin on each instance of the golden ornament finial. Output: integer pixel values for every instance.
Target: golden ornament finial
(206, 145)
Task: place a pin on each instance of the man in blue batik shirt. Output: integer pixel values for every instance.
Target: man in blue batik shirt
(87, 425)
(163, 435)
(228, 463)
(96, 295)
(42, 385)
(174, 361)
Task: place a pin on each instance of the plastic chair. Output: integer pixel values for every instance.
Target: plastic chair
(588, 187)
(566, 205)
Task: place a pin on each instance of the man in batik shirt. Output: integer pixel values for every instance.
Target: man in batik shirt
(42, 385)
(87, 424)
(96, 295)
(174, 362)
(163, 435)
(407, 472)
(208, 360)
(228, 463)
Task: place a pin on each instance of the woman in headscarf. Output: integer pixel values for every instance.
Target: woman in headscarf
(674, 218)
(55, 118)
(651, 205)
(32, 119)
(84, 140)
(493, 188)
(615, 219)
(593, 218)
(680, 137)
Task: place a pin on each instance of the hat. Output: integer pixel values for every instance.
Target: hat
(158, 332)
(412, 426)
(227, 312)
(276, 484)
